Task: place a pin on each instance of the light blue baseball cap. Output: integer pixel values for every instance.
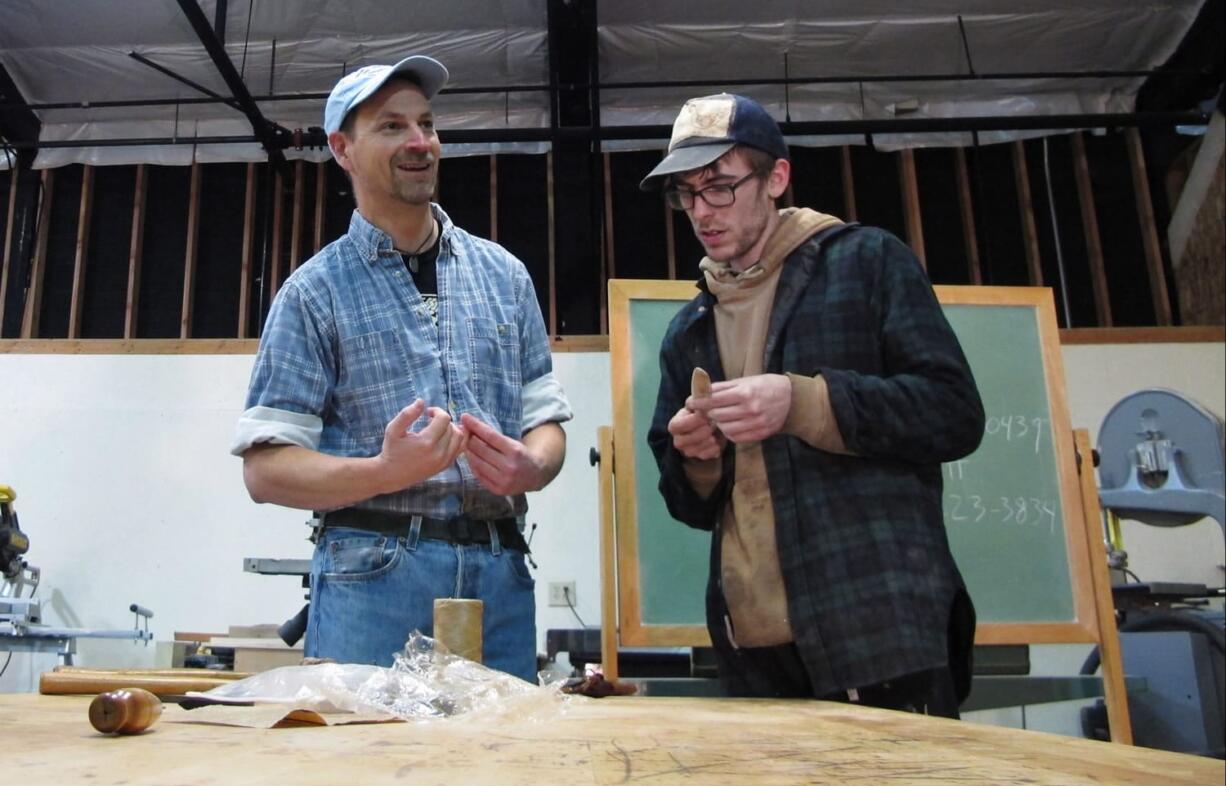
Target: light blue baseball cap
(357, 86)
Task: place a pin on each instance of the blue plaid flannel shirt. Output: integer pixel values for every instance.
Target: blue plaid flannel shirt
(349, 342)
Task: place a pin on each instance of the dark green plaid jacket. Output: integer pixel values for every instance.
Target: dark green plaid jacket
(869, 576)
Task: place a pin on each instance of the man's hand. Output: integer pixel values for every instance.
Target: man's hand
(300, 477)
(748, 409)
(502, 465)
(410, 457)
(693, 434)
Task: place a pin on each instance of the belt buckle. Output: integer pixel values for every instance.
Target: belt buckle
(461, 530)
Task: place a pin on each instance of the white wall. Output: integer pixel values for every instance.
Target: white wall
(128, 494)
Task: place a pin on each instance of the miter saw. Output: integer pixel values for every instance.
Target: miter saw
(21, 628)
(13, 542)
(14, 570)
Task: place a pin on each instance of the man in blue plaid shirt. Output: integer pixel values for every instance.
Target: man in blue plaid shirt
(403, 389)
(814, 456)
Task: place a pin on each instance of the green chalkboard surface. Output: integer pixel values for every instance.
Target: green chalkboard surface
(1012, 509)
(672, 586)
(1002, 503)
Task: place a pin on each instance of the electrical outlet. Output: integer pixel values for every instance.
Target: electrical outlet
(562, 593)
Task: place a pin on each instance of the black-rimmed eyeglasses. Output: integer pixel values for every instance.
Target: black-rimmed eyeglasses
(720, 195)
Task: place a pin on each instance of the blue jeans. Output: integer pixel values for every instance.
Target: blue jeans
(369, 591)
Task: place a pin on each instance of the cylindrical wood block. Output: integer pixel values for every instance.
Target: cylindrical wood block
(457, 626)
(124, 711)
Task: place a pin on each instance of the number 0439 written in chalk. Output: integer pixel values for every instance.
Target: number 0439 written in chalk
(1016, 428)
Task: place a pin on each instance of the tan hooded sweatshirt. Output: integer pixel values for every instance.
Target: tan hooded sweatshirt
(751, 577)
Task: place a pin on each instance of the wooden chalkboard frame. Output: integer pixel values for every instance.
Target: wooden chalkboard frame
(1084, 628)
(626, 452)
(1093, 619)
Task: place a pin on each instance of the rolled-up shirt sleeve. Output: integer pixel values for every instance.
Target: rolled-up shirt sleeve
(544, 402)
(292, 379)
(276, 426)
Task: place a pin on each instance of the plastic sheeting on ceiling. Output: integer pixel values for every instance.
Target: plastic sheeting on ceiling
(60, 51)
(78, 51)
(774, 39)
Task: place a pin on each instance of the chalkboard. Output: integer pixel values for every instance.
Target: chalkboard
(1004, 499)
(1013, 508)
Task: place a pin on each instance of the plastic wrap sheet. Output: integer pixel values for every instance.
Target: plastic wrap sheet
(424, 683)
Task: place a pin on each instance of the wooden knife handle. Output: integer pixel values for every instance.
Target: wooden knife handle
(124, 711)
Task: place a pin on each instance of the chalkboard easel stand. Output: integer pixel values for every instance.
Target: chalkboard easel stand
(608, 556)
(1114, 692)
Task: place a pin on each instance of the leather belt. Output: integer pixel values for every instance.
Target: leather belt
(461, 530)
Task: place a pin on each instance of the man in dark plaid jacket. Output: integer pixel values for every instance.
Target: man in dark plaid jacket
(808, 396)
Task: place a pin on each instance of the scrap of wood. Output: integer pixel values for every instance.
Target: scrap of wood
(700, 383)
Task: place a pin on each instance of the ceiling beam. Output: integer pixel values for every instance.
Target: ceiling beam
(219, 20)
(19, 126)
(269, 134)
(920, 125)
(1159, 75)
(213, 96)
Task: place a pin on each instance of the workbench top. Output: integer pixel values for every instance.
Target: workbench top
(48, 740)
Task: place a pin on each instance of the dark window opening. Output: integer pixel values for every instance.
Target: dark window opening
(109, 250)
(61, 253)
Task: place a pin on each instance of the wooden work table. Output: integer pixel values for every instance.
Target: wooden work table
(48, 740)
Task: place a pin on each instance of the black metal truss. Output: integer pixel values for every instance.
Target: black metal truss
(314, 137)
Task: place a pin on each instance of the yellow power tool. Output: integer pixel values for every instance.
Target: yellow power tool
(13, 542)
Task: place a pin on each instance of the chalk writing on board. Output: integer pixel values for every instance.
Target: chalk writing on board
(955, 470)
(1017, 428)
(1004, 498)
(1005, 510)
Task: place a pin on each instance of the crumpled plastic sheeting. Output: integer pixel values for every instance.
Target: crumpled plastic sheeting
(424, 683)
